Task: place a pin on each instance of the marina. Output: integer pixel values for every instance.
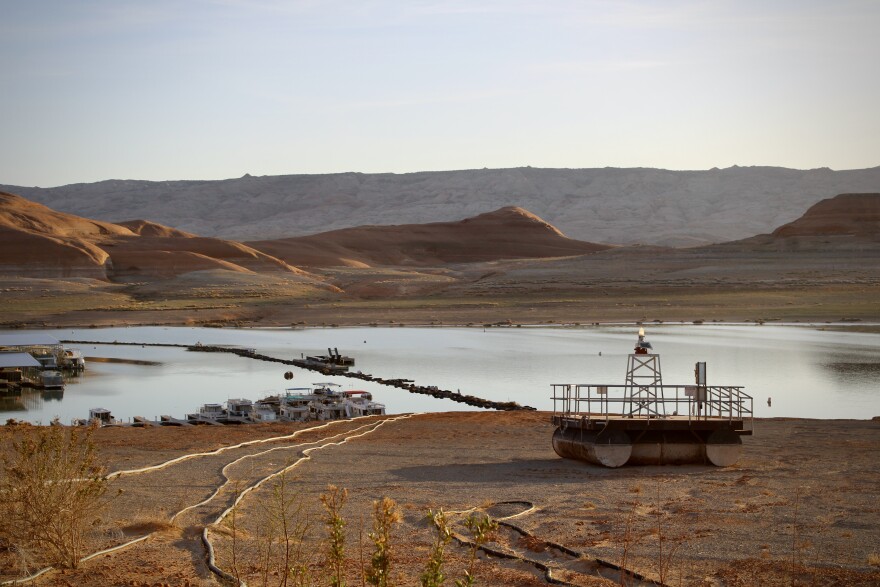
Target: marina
(322, 402)
(35, 360)
(819, 371)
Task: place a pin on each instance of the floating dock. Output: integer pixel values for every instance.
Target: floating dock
(644, 422)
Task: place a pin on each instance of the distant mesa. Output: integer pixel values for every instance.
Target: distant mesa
(508, 233)
(612, 206)
(844, 215)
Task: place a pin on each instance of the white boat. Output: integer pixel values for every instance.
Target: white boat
(102, 417)
(73, 359)
(360, 403)
(263, 412)
(323, 401)
(239, 408)
(329, 410)
(295, 404)
(326, 401)
(211, 412)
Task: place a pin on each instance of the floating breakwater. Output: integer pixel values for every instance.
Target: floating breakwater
(400, 383)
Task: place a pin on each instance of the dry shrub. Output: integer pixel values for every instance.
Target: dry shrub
(53, 489)
(333, 501)
(385, 515)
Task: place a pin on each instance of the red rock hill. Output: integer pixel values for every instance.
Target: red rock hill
(507, 233)
(36, 241)
(846, 214)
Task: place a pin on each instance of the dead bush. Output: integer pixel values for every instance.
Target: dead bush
(53, 489)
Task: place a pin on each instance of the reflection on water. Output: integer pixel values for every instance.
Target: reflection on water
(862, 375)
(807, 372)
(27, 400)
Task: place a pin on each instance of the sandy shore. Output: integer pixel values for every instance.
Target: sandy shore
(800, 506)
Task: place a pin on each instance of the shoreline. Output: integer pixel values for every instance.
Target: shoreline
(855, 323)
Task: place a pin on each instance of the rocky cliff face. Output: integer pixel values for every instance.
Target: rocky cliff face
(622, 206)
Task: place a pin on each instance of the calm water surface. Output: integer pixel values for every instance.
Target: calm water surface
(808, 372)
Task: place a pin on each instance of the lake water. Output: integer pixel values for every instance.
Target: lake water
(809, 371)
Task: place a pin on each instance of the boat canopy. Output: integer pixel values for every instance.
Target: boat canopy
(16, 360)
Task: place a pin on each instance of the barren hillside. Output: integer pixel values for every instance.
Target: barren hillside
(508, 233)
(41, 242)
(845, 224)
(846, 214)
(651, 206)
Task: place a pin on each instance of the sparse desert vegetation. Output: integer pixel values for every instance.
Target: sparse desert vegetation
(798, 509)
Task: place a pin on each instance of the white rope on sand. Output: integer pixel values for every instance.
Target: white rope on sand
(306, 456)
(209, 547)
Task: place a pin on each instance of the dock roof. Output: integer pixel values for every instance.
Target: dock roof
(17, 360)
(28, 339)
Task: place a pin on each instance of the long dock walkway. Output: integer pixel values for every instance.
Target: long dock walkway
(406, 384)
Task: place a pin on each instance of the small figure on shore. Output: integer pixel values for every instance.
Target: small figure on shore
(769, 401)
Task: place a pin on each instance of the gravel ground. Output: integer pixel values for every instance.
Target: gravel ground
(800, 506)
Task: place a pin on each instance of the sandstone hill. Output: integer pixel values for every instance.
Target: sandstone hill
(508, 233)
(147, 228)
(507, 265)
(621, 206)
(40, 242)
(846, 222)
(855, 215)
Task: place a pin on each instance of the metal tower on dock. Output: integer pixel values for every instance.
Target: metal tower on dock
(644, 422)
(644, 383)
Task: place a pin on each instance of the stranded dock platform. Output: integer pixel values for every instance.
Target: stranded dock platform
(644, 422)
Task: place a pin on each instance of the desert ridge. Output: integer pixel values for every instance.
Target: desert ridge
(508, 265)
(508, 233)
(40, 242)
(843, 215)
(609, 205)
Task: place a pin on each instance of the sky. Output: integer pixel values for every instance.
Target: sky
(212, 89)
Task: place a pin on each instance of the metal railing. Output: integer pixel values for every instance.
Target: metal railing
(695, 402)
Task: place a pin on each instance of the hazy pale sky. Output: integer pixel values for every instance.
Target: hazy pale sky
(210, 89)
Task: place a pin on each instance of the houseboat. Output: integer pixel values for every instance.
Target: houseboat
(51, 380)
(239, 408)
(263, 412)
(102, 417)
(360, 403)
(208, 413)
(73, 360)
